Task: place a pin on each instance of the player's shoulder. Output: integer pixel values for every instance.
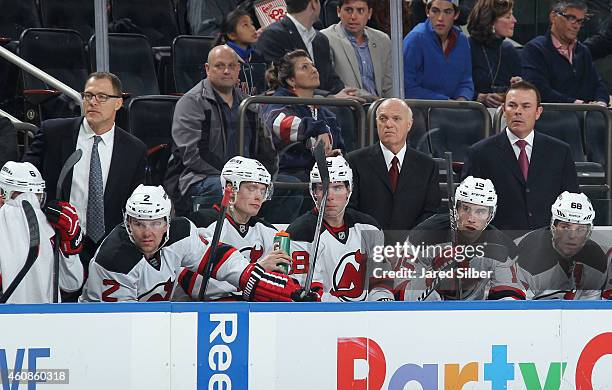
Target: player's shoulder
(180, 228)
(117, 253)
(353, 217)
(535, 252)
(204, 218)
(303, 228)
(593, 256)
(261, 223)
(433, 230)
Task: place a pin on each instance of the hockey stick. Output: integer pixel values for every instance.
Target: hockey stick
(32, 252)
(319, 155)
(68, 165)
(227, 193)
(450, 189)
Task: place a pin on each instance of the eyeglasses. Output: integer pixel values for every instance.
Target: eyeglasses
(572, 18)
(220, 67)
(100, 97)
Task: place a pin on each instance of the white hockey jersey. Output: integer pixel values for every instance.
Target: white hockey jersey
(37, 285)
(341, 267)
(253, 240)
(120, 272)
(489, 272)
(547, 275)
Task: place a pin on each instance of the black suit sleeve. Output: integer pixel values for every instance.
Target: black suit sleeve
(36, 154)
(570, 177)
(470, 167)
(272, 44)
(354, 201)
(433, 199)
(139, 174)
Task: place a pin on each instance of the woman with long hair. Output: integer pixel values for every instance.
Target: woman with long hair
(293, 125)
(495, 62)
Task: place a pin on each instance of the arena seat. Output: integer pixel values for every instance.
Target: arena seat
(595, 137)
(189, 55)
(72, 14)
(155, 18)
(131, 59)
(150, 119)
(563, 125)
(61, 54)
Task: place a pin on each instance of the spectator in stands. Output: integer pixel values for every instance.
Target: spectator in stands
(495, 61)
(204, 17)
(205, 131)
(394, 183)
(239, 33)
(293, 125)
(600, 44)
(437, 59)
(360, 54)
(419, 11)
(381, 18)
(112, 165)
(558, 64)
(529, 169)
(296, 31)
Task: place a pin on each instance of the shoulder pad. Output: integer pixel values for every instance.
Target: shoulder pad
(352, 217)
(117, 253)
(204, 218)
(302, 229)
(180, 228)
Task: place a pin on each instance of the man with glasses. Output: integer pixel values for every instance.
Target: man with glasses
(112, 165)
(561, 261)
(205, 132)
(559, 65)
(437, 56)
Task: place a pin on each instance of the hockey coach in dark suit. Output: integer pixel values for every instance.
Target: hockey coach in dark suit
(112, 165)
(394, 183)
(529, 169)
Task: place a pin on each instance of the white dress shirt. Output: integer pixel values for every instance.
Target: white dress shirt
(388, 155)
(528, 148)
(80, 176)
(307, 34)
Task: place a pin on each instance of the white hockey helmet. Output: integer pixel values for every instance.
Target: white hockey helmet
(339, 171)
(21, 177)
(477, 191)
(573, 208)
(241, 169)
(148, 202)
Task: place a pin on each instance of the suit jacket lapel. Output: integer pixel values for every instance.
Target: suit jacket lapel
(408, 169)
(68, 147)
(508, 157)
(294, 35)
(376, 54)
(377, 162)
(349, 52)
(538, 157)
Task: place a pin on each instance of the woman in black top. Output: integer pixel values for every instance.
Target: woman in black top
(495, 61)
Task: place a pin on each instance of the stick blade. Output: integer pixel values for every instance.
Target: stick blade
(319, 155)
(32, 223)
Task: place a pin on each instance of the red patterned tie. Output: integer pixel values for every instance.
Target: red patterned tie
(394, 173)
(522, 158)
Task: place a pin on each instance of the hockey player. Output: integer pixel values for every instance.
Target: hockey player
(253, 237)
(19, 182)
(561, 261)
(139, 260)
(340, 271)
(479, 265)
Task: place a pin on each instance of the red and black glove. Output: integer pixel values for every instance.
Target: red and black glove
(64, 219)
(259, 285)
(314, 295)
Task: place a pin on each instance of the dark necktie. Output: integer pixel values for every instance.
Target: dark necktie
(394, 173)
(95, 199)
(522, 158)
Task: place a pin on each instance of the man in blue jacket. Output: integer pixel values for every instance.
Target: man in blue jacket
(437, 59)
(558, 64)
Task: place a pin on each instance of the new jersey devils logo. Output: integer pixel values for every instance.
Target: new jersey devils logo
(254, 252)
(349, 276)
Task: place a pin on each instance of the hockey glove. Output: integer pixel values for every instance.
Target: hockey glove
(64, 219)
(314, 295)
(258, 285)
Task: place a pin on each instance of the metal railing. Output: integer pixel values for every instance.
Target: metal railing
(497, 122)
(39, 74)
(418, 103)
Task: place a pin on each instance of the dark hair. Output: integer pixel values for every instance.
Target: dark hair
(370, 3)
(561, 5)
(524, 86)
(228, 26)
(115, 82)
(429, 3)
(283, 69)
(483, 16)
(294, 6)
